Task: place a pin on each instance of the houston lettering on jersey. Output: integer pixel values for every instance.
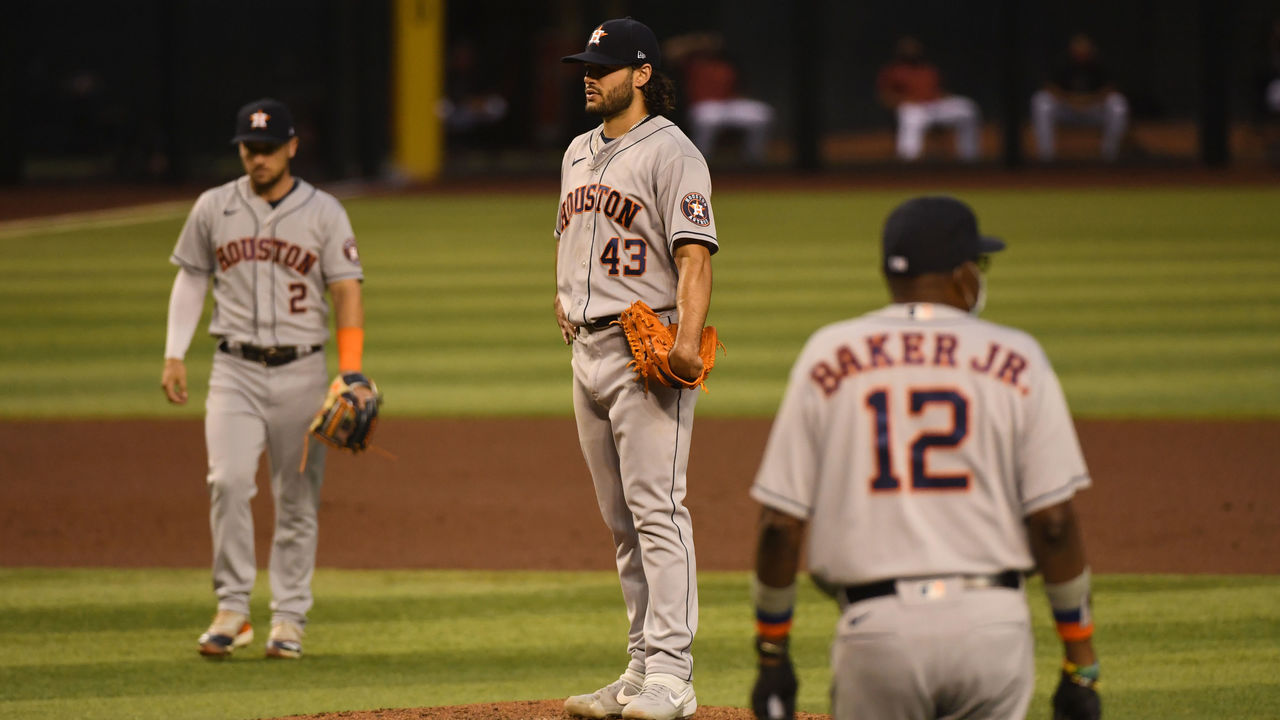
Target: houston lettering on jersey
(262, 250)
(601, 199)
(934, 350)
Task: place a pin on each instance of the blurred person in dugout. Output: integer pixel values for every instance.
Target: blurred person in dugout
(912, 86)
(1267, 97)
(713, 97)
(1080, 92)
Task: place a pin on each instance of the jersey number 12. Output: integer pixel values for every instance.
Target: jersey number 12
(885, 480)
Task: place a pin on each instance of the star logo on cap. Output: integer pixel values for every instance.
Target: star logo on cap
(258, 119)
(596, 35)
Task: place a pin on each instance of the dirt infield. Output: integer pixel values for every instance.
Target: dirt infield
(1169, 496)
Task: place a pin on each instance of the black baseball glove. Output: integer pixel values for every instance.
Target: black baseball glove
(1076, 698)
(342, 421)
(774, 694)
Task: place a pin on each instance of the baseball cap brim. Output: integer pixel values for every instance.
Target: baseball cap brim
(595, 58)
(257, 137)
(988, 244)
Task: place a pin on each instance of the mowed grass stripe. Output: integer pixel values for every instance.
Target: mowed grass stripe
(1175, 285)
(423, 638)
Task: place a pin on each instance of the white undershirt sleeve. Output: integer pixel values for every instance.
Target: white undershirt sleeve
(186, 302)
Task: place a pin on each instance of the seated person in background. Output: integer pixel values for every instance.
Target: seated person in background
(713, 99)
(1267, 99)
(911, 86)
(1080, 92)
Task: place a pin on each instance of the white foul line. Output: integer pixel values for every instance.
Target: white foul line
(114, 217)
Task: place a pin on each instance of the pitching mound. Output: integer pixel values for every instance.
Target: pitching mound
(523, 710)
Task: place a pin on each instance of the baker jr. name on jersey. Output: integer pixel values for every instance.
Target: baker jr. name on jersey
(285, 253)
(923, 349)
(599, 198)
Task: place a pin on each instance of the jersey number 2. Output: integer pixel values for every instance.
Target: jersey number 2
(634, 247)
(297, 294)
(885, 480)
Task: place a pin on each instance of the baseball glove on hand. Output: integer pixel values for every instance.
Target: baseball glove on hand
(1076, 698)
(651, 343)
(342, 422)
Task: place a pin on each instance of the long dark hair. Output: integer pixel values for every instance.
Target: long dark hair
(659, 94)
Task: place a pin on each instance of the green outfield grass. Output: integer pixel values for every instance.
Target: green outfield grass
(1150, 302)
(121, 644)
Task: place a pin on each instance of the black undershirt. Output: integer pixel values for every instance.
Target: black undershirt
(276, 203)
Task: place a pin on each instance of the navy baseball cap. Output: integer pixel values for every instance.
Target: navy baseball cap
(933, 234)
(264, 120)
(623, 41)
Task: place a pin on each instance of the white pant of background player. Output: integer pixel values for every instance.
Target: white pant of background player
(252, 408)
(1048, 111)
(709, 118)
(954, 111)
(936, 649)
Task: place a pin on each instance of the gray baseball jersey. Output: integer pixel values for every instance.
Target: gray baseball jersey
(271, 267)
(625, 207)
(915, 439)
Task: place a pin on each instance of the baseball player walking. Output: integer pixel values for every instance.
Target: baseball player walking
(272, 244)
(635, 223)
(933, 460)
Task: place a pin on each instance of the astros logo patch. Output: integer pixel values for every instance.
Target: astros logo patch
(696, 209)
(258, 119)
(596, 35)
(349, 249)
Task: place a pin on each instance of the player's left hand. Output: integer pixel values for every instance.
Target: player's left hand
(350, 413)
(774, 695)
(363, 394)
(1076, 698)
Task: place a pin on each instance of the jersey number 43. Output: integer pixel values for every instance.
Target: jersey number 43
(625, 256)
(918, 401)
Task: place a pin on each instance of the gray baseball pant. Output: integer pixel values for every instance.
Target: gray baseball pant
(637, 448)
(250, 408)
(927, 653)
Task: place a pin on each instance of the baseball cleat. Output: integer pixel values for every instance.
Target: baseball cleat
(228, 631)
(285, 640)
(608, 701)
(664, 697)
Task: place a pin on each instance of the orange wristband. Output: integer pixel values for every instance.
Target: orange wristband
(350, 348)
(775, 631)
(1074, 631)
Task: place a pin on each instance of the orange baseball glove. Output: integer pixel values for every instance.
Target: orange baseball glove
(651, 343)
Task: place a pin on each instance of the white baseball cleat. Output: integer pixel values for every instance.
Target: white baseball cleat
(664, 697)
(285, 640)
(228, 631)
(608, 701)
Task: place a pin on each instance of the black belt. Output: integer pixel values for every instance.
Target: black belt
(269, 356)
(1011, 579)
(601, 323)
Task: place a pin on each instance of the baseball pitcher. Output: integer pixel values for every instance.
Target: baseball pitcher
(932, 459)
(272, 244)
(635, 224)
